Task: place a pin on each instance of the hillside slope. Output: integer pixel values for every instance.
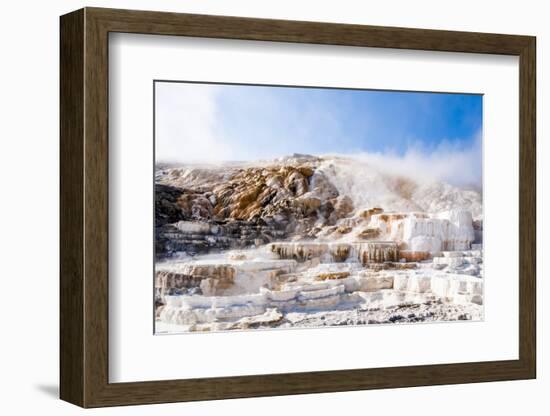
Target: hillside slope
(237, 205)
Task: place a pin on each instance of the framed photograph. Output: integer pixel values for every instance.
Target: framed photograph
(254, 207)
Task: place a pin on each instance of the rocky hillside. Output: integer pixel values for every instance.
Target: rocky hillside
(203, 208)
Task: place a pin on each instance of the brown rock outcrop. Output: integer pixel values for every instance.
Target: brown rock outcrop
(343, 207)
(251, 205)
(414, 256)
(167, 282)
(367, 213)
(378, 252)
(369, 233)
(343, 229)
(252, 193)
(332, 276)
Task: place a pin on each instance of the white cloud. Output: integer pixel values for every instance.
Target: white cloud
(186, 124)
(448, 162)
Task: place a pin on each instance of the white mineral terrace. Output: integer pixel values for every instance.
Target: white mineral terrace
(421, 259)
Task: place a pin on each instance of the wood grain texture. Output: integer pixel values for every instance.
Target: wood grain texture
(162, 23)
(84, 207)
(96, 208)
(71, 185)
(527, 208)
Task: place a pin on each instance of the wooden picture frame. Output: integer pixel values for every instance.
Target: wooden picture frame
(84, 207)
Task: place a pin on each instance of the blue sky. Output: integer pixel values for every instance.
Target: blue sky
(320, 121)
(212, 122)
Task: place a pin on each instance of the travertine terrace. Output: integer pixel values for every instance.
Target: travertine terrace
(310, 241)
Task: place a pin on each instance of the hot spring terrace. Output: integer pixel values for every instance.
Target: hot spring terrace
(262, 286)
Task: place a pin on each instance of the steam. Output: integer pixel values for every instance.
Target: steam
(449, 163)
